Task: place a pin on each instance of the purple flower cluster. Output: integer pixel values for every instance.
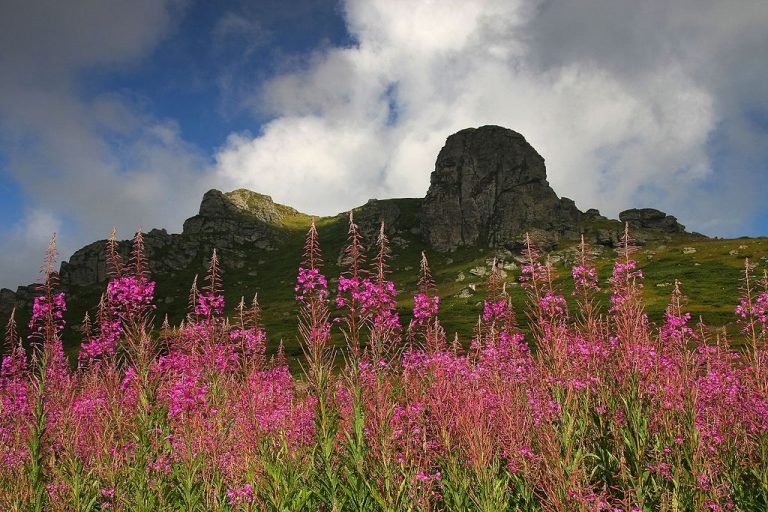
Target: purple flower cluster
(44, 310)
(552, 305)
(186, 392)
(240, 496)
(310, 281)
(15, 408)
(756, 310)
(103, 344)
(209, 304)
(585, 278)
(353, 286)
(131, 297)
(381, 306)
(253, 340)
(375, 302)
(624, 281)
(425, 307)
(494, 311)
(533, 273)
(675, 329)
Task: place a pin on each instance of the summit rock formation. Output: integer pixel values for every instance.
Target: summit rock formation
(489, 186)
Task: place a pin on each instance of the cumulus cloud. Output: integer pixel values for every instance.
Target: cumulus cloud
(653, 103)
(21, 250)
(625, 100)
(85, 162)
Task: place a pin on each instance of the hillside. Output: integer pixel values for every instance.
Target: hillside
(488, 188)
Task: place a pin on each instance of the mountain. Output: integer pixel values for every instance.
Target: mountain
(488, 188)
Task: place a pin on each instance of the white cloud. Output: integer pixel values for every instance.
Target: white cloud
(621, 98)
(24, 243)
(92, 161)
(631, 103)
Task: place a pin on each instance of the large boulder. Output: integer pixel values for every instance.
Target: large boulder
(650, 218)
(489, 186)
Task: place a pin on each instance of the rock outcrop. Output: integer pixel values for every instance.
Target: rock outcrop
(489, 186)
(237, 217)
(226, 221)
(649, 218)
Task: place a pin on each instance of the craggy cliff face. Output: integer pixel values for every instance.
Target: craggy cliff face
(488, 187)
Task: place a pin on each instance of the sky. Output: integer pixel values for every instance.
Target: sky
(124, 112)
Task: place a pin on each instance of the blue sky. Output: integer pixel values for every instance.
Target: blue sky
(219, 52)
(124, 112)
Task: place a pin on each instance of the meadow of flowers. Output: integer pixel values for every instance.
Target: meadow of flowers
(556, 408)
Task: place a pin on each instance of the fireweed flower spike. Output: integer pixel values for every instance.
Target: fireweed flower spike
(130, 293)
(102, 343)
(249, 332)
(627, 309)
(380, 306)
(353, 291)
(586, 291)
(312, 294)
(675, 329)
(210, 303)
(14, 361)
(426, 303)
(114, 261)
(51, 381)
(47, 319)
(425, 326)
(314, 334)
(15, 409)
(752, 314)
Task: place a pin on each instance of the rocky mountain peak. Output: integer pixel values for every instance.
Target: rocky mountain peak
(489, 186)
(236, 217)
(217, 204)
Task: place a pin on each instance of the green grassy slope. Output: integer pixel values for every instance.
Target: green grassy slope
(710, 276)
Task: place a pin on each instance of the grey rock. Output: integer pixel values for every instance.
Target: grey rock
(478, 271)
(490, 186)
(398, 215)
(237, 217)
(607, 237)
(650, 218)
(370, 216)
(7, 301)
(399, 242)
(541, 240)
(594, 214)
(465, 293)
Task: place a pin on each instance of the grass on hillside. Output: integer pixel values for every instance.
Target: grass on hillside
(709, 270)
